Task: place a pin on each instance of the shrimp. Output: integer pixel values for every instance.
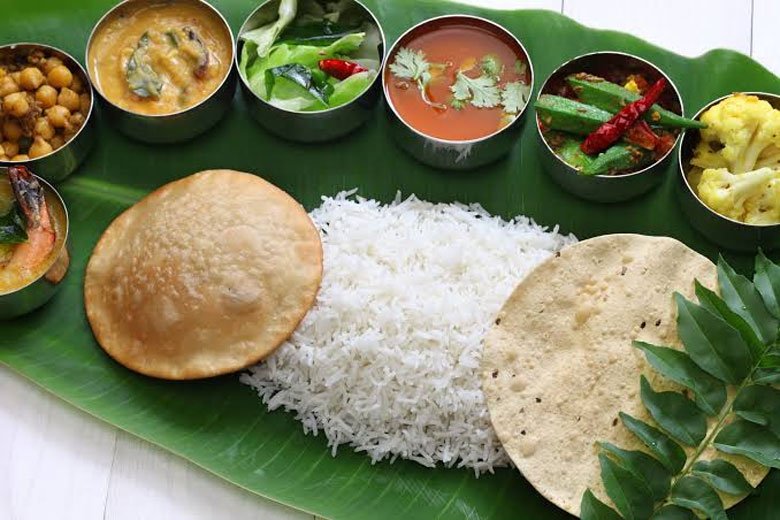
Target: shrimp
(40, 232)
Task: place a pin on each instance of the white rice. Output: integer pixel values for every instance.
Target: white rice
(388, 359)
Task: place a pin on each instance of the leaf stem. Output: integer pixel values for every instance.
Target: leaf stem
(719, 423)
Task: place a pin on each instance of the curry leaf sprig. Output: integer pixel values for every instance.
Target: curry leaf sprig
(730, 363)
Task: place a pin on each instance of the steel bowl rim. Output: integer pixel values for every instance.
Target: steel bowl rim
(228, 71)
(452, 142)
(314, 113)
(621, 176)
(87, 118)
(681, 166)
(63, 246)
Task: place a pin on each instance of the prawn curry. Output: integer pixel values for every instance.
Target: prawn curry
(160, 58)
(32, 231)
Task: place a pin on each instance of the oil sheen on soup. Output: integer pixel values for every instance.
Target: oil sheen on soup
(160, 58)
(451, 49)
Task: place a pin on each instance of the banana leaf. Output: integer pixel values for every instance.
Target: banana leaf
(220, 424)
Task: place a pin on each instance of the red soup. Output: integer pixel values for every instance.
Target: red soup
(458, 79)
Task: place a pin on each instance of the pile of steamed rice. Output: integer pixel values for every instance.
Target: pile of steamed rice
(388, 359)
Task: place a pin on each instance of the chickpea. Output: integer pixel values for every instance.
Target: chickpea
(16, 104)
(77, 85)
(31, 78)
(59, 77)
(57, 141)
(16, 76)
(20, 157)
(58, 115)
(50, 63)
(46, 96)
(77, 119)
(84, 103)
(12, 130)
(10, 148)
(8, 86)
(39, 147)
(69, 99)
(43, 128)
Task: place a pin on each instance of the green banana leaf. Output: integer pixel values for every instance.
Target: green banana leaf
(220, 424)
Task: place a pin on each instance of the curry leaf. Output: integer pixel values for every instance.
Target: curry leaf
(629, 494)
(300, 75)
(760, 405)
(723, 476)
(13, 229)
(694, 493)
(142, 79)
(644, 467)
(591, 508)
(715, 304)
(671, 512)
(675, 414)
(767, 282)
(744, 299)
(668, 452)
(713, 344)
(710, 392)
(750, 440)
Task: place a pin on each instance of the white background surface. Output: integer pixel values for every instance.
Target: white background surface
(58, 463)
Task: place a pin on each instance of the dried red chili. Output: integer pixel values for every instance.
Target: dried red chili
(642, 135)
(340, 69)
(608, 133)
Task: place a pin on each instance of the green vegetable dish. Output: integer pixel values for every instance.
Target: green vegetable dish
(613, 124)
(312, 56)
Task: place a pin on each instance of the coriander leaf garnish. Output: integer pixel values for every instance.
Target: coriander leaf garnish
(514, 97)
(520, 67)
(482, 92)
(457, 104)
(491, 66)
(731, 358)
(410, 64)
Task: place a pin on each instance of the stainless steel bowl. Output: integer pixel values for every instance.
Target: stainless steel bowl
(176, 126)
(606, 188)
(40, 290)
(449, 154)
(308, 127)
(60, 163)
(724, 231)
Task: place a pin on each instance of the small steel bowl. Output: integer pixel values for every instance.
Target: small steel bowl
(449, 154)
(60, 163)
(302, 126)
(606, 188)
(176, 126)
(37, 292)
(724, 231)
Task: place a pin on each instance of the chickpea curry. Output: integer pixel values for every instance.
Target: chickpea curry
(32, 231)
(160, 58)
(44, 104)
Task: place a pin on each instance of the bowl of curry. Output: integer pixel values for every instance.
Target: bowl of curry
(34, 256)
(162, 68)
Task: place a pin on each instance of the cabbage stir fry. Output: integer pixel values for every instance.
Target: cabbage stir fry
(314, 56)
(739, 154)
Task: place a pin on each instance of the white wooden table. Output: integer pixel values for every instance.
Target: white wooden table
(58, 463)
